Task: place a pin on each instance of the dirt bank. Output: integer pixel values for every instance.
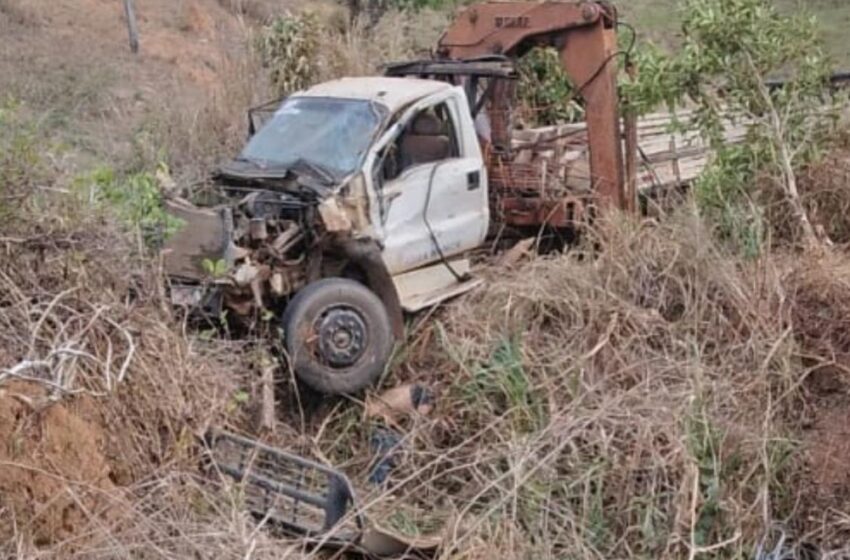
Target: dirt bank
(55, 479)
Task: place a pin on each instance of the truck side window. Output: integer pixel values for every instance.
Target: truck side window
(428, 138)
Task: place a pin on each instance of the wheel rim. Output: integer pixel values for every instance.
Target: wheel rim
(342, 336)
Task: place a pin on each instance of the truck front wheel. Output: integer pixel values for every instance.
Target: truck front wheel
(338, 336)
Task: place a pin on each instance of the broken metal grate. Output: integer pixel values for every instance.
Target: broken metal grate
(292, 492)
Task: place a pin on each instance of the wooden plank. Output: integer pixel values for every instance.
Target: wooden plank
(559, 158)
(266, 418)
(132, 25)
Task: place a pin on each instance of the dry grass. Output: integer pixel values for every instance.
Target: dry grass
(358, 48)
(629, 404)
(102, 392)
(82, 318)
(195, 137)
(102, 366)
(819, 285)
(824, 187)
(646, 401)
(640, 401)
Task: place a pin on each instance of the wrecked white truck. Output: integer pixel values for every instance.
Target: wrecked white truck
(358, 199)
(352, 203)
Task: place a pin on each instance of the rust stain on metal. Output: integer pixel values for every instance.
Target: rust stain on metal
(508, 24)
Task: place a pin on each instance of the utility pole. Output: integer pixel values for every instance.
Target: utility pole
(132, 25)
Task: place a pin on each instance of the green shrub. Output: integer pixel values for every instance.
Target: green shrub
(136, 200)
(730, 51)
(544, 91)
(22, 161)
(289, 47)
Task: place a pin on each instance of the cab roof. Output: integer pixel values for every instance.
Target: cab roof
(394, 93)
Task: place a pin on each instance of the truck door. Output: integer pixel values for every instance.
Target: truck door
(432, 187)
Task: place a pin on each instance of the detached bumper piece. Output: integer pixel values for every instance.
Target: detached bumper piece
(292, 493)
(301, 497)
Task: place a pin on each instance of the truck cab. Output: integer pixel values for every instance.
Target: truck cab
(355, 201)
(422, 172)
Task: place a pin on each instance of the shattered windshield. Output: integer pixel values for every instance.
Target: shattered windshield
(330, 136)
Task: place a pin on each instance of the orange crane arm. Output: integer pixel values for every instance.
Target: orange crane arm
(585, 35)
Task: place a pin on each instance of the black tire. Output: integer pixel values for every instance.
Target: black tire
(338, 336)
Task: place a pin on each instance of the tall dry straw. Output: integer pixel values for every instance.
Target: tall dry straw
(102, 393)
(626, 403)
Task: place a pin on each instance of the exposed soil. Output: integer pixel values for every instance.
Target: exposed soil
(71, 60)
(828, 450)
(54, 477)
(819, 294)
(181, 42)
(825, 486)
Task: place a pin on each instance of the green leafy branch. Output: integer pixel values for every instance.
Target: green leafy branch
(730, 52)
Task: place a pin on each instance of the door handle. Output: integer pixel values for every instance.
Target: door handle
(473, 180)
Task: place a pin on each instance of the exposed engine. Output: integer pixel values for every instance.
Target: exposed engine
(253, 251)
(271, 230)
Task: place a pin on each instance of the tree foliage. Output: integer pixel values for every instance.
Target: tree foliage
(730, 53)
(544, 91)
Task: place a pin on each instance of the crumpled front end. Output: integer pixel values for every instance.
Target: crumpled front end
(240, 256)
